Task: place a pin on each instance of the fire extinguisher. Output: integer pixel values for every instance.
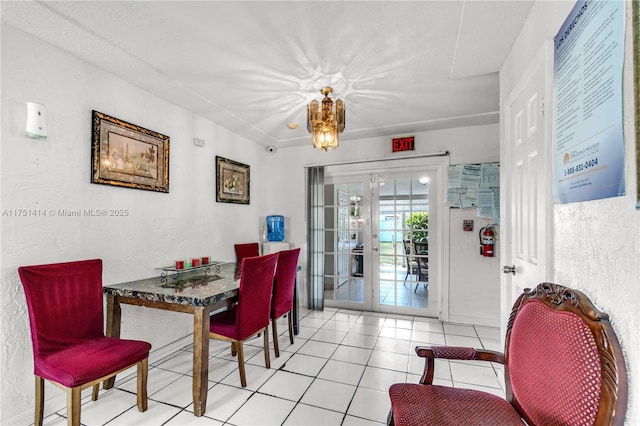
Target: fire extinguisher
(487, 237)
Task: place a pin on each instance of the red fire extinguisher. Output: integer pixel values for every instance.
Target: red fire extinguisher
(487, 237)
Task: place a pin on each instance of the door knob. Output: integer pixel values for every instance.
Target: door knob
(375, 249)
(509, 269)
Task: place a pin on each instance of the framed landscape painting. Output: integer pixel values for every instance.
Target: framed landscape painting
(232, 181)
(636, 82)
(127, 155)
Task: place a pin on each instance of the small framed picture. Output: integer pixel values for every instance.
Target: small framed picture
(636, 77)
(232, 181)
(124, 154)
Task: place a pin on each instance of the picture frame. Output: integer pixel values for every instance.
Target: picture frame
(635, 4)
(232, 181)
(127, 155)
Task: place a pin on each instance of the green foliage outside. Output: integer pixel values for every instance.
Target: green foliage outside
(418, 225)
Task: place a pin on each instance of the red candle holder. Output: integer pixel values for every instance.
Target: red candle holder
(205, 260)
(179, 264)
(195, 263)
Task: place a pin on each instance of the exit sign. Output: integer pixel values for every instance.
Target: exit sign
(403, 144)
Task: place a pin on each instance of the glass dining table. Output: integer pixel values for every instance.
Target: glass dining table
(196, 291)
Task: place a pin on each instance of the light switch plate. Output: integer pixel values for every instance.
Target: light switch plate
(198, 142)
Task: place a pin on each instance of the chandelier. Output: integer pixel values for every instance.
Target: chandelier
(325, 122)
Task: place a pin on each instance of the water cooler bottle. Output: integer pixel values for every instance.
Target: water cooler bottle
(275, 235)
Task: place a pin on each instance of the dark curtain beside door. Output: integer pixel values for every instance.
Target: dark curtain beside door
(315, 237)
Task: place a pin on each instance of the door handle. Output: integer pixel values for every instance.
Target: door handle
(375, 249)
(509, 269)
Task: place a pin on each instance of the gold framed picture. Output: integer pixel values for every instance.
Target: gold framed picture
(232, 181)
(124, 154)
(636, 84)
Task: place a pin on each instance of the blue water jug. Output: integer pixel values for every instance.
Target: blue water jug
(275, 228)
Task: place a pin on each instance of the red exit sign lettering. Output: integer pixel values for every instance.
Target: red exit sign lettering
(406, 143)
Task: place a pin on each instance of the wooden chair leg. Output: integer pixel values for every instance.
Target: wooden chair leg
(290, 318)
(234, 349)
(267, 358)
(274, 328)
(95, 391)
(39, 401)
(73, 406)
(240, 351)
(143, 368)
(390, 421)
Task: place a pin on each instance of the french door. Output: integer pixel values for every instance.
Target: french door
(382, 247)
(347, 232)
(405, 264)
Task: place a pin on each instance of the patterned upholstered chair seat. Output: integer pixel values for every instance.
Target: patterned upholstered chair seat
(563, 366)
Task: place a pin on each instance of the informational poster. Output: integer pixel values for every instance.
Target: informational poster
(588, 146)
(475, 186)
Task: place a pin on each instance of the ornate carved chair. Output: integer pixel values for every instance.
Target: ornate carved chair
(562, 363)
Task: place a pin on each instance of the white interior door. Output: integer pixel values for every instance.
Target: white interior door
(527, 216)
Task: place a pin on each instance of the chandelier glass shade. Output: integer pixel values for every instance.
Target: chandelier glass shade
(325, 121)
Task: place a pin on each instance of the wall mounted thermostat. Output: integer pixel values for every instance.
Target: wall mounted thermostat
(467, 225)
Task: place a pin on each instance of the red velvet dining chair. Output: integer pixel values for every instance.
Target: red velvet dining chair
(563, 366)
(250, 316)
(246, 250)
(283, 287)
(70, 349)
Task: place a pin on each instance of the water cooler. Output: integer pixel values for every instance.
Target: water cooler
(275, 235)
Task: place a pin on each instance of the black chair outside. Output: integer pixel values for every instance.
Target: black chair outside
(410, 261)
(421, 251)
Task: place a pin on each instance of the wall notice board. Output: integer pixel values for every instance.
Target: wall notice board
(475, 186)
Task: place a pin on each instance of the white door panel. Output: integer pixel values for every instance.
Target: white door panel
(527, 207)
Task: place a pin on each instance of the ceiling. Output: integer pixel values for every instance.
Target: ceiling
(251, 67)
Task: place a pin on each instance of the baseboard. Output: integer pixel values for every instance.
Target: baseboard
(487, 322)
(58, 400)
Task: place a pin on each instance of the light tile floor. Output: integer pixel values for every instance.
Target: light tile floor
(337, 372)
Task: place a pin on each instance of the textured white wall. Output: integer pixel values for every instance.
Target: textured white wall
(55, 174)
(597, 243)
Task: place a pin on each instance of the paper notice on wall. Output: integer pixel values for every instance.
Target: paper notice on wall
(454, 197)
(490, 175)
(588, 147)
(464, 176)
(475, 186)
(489, 204)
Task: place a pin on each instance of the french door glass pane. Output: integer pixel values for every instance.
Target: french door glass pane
(344, 242)
(403, 222)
